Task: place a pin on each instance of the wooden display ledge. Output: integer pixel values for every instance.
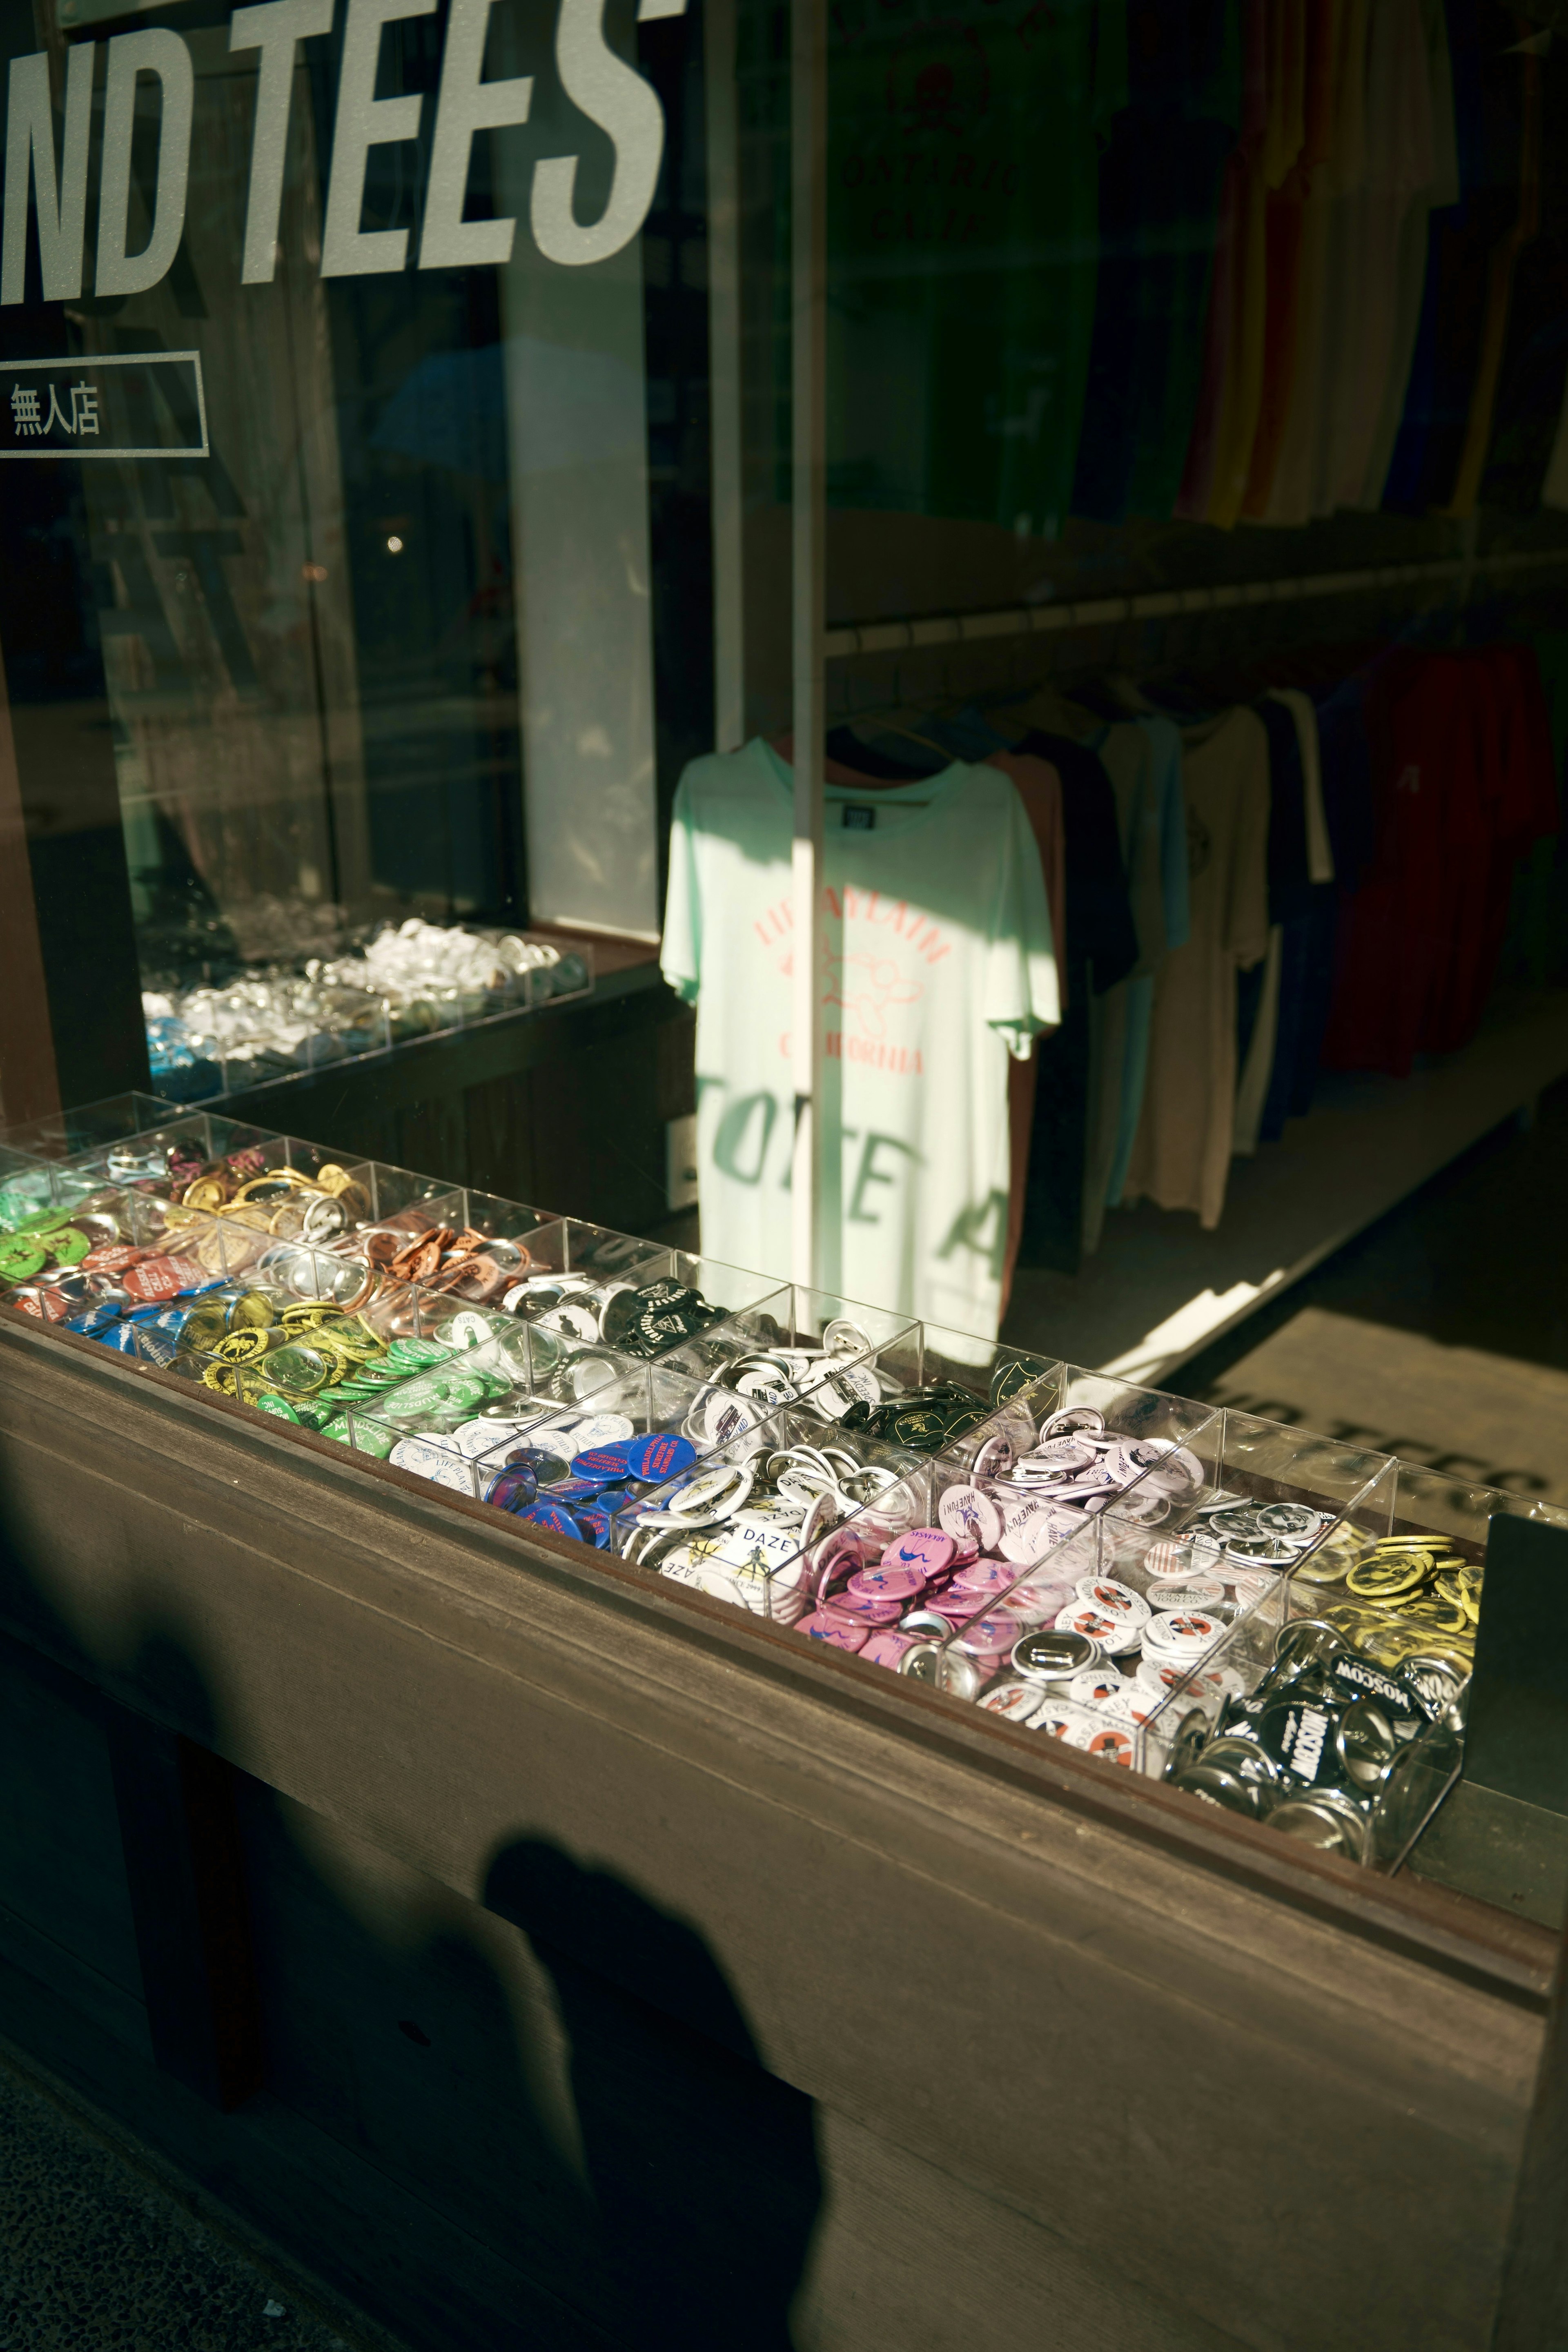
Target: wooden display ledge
(539, 1956)
(1160, 1288)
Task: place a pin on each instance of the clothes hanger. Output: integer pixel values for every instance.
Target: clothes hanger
(910, 734)
(1054, 713)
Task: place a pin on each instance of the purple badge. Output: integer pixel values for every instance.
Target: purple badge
(888, 1649)
(836, 1631)
(985, 1576)
(924, 1548)
(888, 1582)
(990, 1635)
(862, 1607)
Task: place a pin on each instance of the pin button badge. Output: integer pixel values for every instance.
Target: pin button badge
(1116, 1600)
(1110, 1632)
(924, 1547)
(1099, 1686)
(941, 1669)
(1030, 1527)
(1074, 1421)
(556, 1518)
(985, 1577)
(995, 1457)
(1063, 1454)
(1186, 1631)
(1054, 1655)
(1367, 1744)
(1294, 1521)
(1064, 1719)
(888, 1649)
(968, 1514)
(863, 1608)
(1015, 1702)
(1301, 1737)
(989, 1636)
(1197, 1592)
(900, 1581)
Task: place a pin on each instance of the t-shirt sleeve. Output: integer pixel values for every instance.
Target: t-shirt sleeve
(1021, 995)
(680, 951)
(1246, 915)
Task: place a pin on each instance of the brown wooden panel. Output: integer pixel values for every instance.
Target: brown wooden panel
(1071, 1994)
(500, 1141)
(65, 1907)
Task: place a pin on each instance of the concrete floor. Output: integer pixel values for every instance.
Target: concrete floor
(1441, 1333)
(99, 2255)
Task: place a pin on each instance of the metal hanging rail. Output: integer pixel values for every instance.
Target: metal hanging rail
(1163, 603)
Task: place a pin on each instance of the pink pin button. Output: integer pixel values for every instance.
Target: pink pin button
(956, 1607)
(924, 1547)
(988, 1636)
(863, 1608)
(892, 1580)
(888, 1649)
(839, 1633)
(985, 1575)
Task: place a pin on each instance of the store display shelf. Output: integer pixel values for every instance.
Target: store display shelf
(1160, 1289)
(335, 1024)
(954, 1509)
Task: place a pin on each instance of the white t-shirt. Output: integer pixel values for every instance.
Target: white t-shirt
(937, 962)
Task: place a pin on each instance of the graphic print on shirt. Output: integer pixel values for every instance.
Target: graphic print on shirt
(865, 987)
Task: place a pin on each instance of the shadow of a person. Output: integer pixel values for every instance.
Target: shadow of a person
(703, 2164)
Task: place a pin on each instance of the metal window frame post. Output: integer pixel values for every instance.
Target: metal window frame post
(808, 260)
(724, 377)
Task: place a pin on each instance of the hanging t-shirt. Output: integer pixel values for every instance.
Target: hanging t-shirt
(1307, 121)
(1535, 362)
(961, 247)
(1182, 1155)
(1440, 190)
(1399, 167)
(937, 962)
(1160, 178)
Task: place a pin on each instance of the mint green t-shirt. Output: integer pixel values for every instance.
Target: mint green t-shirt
(962, 201)
(937, 962)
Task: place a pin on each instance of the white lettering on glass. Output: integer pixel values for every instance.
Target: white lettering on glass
(614, 94)
(31, 148)
(276, 29)
(364, 121)
(466, 104)
(162, 53)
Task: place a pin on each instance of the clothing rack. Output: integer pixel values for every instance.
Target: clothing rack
(1163, 603)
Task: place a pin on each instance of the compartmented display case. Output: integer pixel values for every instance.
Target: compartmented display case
(1279, 1625)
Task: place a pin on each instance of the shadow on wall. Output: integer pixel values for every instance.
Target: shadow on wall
(541, 2120)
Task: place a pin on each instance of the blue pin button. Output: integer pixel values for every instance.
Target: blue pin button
(551, 1516)
(658, 1457)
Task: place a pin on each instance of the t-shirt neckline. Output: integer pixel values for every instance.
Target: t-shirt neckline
(877, 795)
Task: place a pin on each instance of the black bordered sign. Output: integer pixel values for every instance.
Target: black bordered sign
(126, 404)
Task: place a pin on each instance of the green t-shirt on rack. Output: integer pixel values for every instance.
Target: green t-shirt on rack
(961, 251)
(937, 963)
